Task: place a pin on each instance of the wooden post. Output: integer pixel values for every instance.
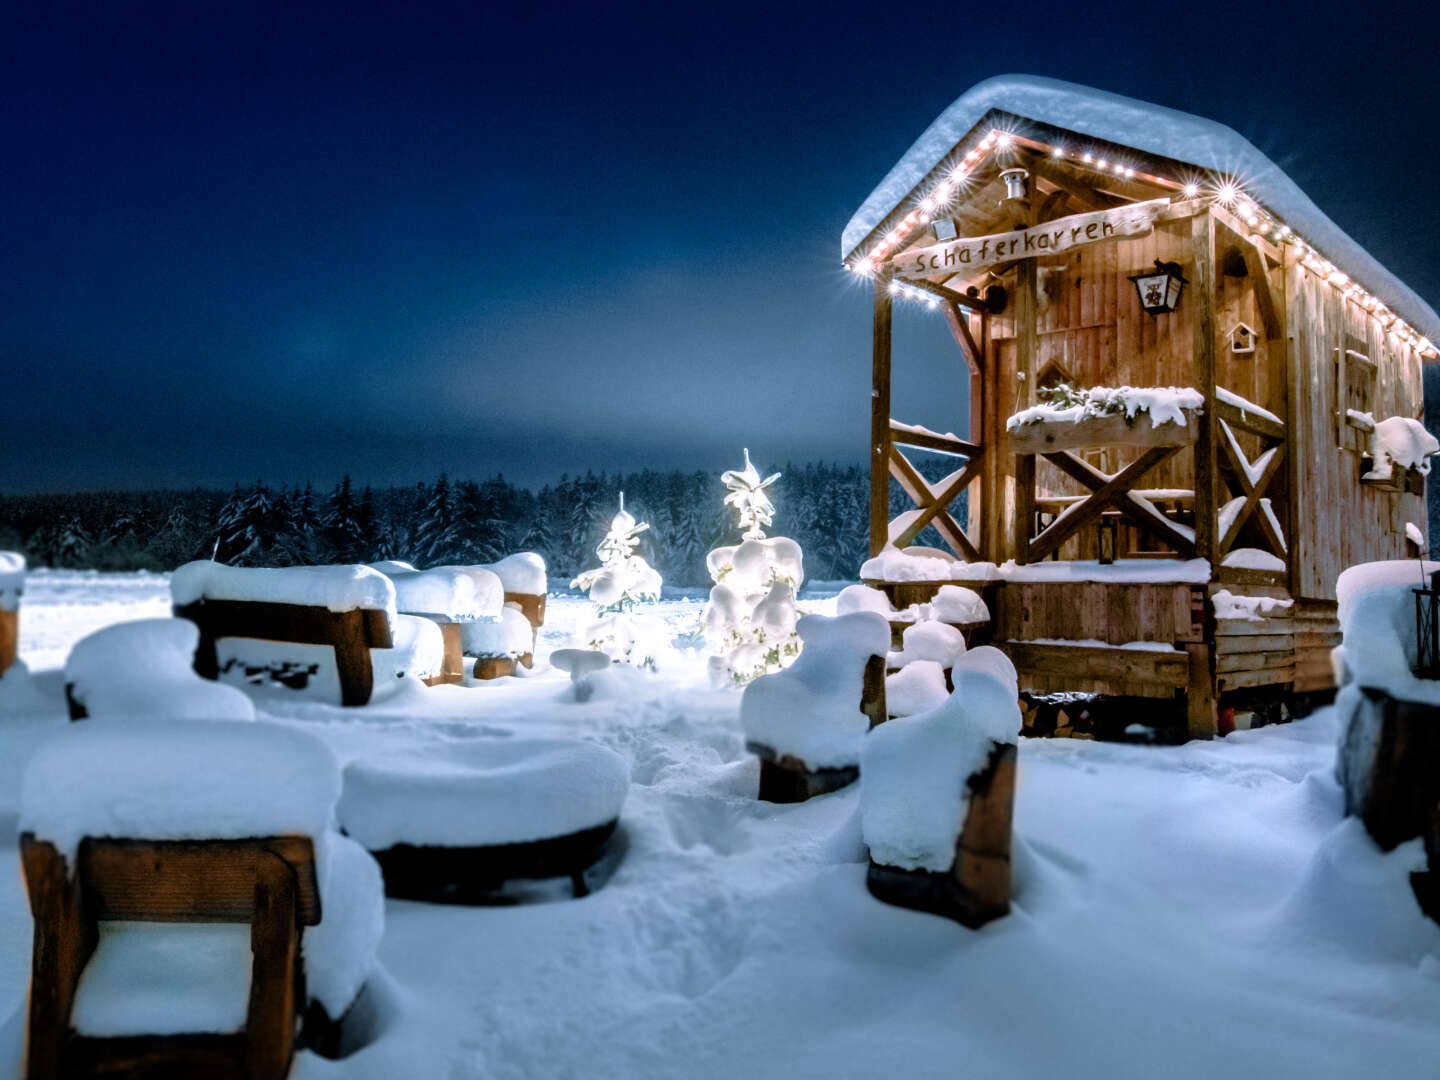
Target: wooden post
(9, 638)
(63, 942)
(1024, 506)
(1202, 718)
(880, 415)
(1396, 788)
(1026, 306)
(872, 695)
(1202, 300)
(352, 659)
(1293, 416)
(275, 945)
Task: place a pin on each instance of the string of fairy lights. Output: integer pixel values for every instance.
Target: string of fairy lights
(1225, 191)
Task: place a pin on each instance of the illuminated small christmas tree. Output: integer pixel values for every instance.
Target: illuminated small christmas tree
(621, 581)
(750, 620)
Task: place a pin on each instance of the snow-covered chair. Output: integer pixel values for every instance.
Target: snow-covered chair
(145, 670)
(12, 587)
(498, 649)
(254, 617)
(458, 599)
(937, 797)
(806, 723)
(185, 891)
(457, 823)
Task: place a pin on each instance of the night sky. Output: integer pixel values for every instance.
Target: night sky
(246, 242)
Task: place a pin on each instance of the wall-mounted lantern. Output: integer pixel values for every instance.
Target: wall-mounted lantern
(1014, 183)
(1160, 288)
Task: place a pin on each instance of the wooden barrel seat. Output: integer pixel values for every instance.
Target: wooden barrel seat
(458, 823)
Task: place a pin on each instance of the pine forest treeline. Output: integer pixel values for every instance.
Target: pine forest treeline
(443, 521)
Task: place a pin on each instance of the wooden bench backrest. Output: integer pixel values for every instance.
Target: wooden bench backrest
(352, 634)
(190, 880)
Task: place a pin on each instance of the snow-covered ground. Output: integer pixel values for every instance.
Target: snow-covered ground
(1198, 911)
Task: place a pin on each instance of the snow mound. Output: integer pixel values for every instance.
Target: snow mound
(1253, 559)
(340, 952)
(935, 641)
(1249, 608)
(917, 687)
(1152, 128)
(811, 710)
(156, 780)
(446, 592)
(338, 588)
(12, 579)
(957, 604)
(914, 772)
(523, 572)
(855, 598)
(991, 661)
(143, 669)
(493, 791)
(911, 564)
(509, 635)
(489, 591)
(1399, 440)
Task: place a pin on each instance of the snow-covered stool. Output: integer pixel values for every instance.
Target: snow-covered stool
(145, 670)
(173, 871)
(12, 587)
(523, 576)
(500, 646)
(260, 613)
(456, 823)
(455, 598)
(806, 723)
(936, 802)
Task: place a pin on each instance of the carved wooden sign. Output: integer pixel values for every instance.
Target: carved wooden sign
(972, 252)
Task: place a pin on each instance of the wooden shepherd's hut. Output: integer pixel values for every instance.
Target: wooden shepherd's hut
(1193, 399)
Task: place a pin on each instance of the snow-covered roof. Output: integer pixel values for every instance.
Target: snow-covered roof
(1150, 128)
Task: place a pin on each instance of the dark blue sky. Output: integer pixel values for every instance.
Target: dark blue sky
(246, 240)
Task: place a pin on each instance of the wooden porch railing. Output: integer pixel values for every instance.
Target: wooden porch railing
(1249, 480)
(932, 501)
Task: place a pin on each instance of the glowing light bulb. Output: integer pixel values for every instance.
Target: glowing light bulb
(864, 267)
(1004, 142)
(931, 303)
(1191, 189)
(892, 237)
(1100, 164)
(1057, 151)
(1227, 193)
(894, 287)
(1087, 159)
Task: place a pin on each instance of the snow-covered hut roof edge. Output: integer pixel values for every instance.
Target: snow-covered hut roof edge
(1151, 128)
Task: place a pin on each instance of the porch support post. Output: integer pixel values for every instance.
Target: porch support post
(1203, 320)
(880, 415)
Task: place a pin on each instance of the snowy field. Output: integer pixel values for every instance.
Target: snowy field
(1194, 911)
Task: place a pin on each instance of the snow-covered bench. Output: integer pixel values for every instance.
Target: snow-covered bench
(145, 669)
(505, 636)
(12, 586)
(937, 797)
(455, 598)
(185, 892)
(351, 609)
(456, 823)
(806, 723)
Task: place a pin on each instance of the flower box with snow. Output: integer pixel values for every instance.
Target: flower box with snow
(937, 800)
(1399, 458)
(1106, 416)
(807, 722)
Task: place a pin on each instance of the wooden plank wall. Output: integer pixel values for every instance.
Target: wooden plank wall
(1342, 521)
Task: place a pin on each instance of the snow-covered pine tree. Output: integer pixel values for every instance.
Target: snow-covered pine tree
(438, 538)
(247, 529)
(621, 581)
(750, 619)
(341, 529)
